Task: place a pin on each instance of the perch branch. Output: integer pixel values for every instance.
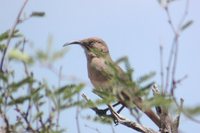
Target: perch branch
(122, 120)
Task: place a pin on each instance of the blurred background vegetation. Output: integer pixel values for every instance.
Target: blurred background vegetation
(32, 103)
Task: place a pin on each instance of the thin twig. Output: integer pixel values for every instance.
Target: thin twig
(25, 117)
(95, 129)
(161, 68)
(181, 80)
(136, 115)
(28, 111)
(77, 115)
(177, 120)
(7, 127)
(40, 117)
(59, 98)
(177, 47)
(172, 48)
(17, 21)
(170, 19)
(167, 79)
(175, 64)
(184, 15)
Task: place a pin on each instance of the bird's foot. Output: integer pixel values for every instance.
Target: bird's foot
(101, 112)
(115, 121)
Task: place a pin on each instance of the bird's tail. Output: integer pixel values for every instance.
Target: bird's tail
(138, 102)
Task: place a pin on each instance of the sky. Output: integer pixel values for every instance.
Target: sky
(132, 28)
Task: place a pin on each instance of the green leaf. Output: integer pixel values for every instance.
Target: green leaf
(158, 101)
(16, 85)
(146, 77)
(38, 115)
(5, 35)
(3, 77)
(36, 96)
(37, 14)
(194, 110)
(64, 89)
(2, 47)
(186, 25)
(71, 91)
(42, 56)
(129, 69)
(19, 100)
(18, 55)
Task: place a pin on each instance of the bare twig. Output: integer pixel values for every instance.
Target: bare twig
(28, 111)
(17, 21)
(161, 68)
(25, 117)
(40, 117)
(176, 82)
(177, 47)
(173, 56)
(170, 20)
(176, 121)
(7, 127)
(180, 80)
(169, 67)
(77, 115)
(135, 113)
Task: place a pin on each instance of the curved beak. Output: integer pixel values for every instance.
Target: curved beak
(74, 42)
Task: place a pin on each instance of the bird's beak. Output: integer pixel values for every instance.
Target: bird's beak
(70, 43)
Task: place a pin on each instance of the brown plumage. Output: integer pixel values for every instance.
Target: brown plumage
(107, 76)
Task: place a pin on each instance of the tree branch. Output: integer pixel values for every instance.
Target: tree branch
(17, 21)
(122, 120)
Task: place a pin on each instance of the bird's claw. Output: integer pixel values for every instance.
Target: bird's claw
(101, 112)
(115, 121)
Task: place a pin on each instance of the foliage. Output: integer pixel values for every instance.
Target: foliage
(25, 96)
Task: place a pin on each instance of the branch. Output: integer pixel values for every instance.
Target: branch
(126, 122)
(17, 21)
(173, 55)
(122, 120)
(176, 121)
(5, 118)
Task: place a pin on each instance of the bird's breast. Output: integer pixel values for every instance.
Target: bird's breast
(97, 73)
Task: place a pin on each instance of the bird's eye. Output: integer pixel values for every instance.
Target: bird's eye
(91, 44)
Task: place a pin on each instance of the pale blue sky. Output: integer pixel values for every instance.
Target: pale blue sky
(132, 28)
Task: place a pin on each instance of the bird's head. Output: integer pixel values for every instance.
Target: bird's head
(94, 47)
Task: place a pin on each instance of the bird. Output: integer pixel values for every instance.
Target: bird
(108, 78)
